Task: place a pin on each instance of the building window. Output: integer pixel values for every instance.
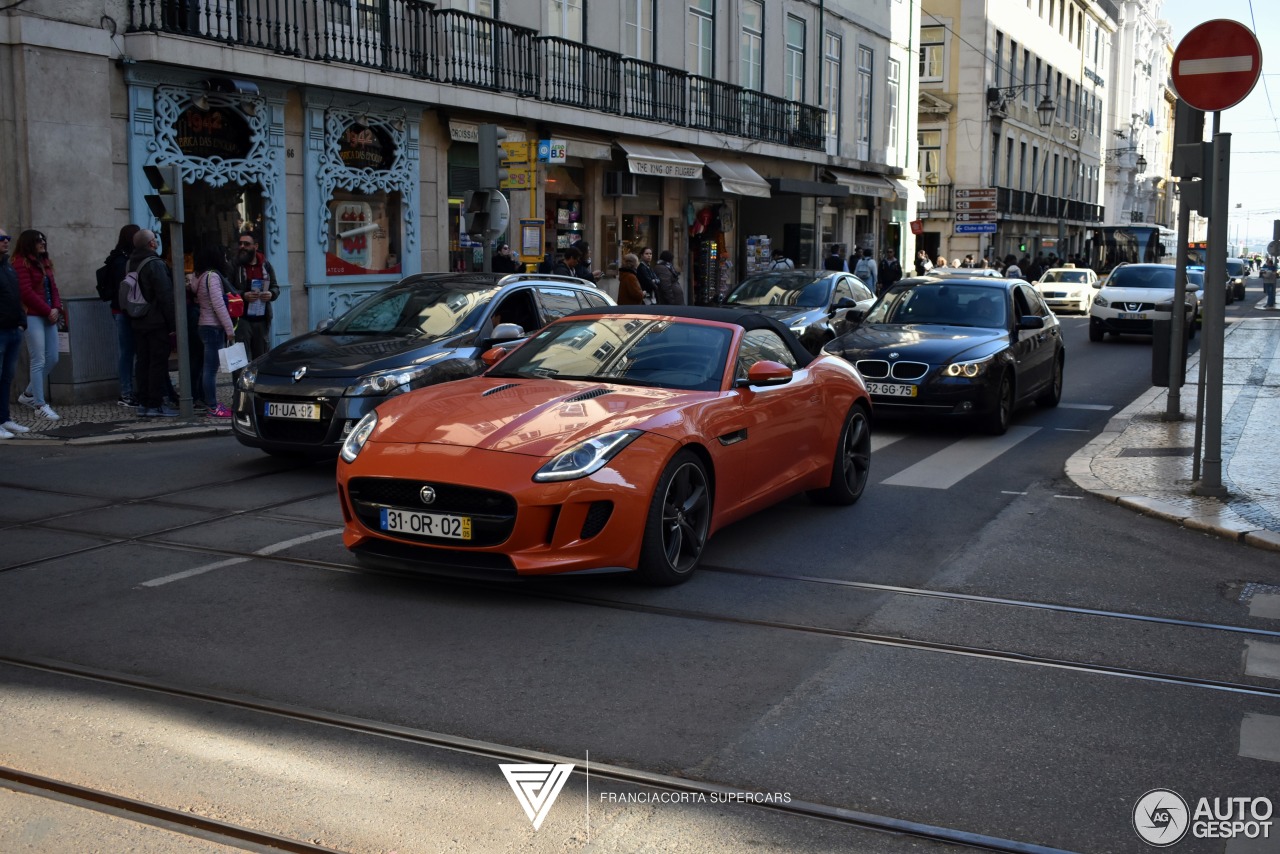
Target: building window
(1013, 63)
(564, 19)
(891, 92)
(702, 29)
(831, 50)
(484, 8)
(637, 29)
(865, 58)
(1026, 72)
(1022, 166)
(751, 48)
(930, 156)
(1008, 163)
(999, 58)
(794, 84)
(932, 46)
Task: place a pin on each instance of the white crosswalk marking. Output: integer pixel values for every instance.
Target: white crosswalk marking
(1260, 737)
(958, 460)
(1097, 407)
(1262, 659)
(884, 440)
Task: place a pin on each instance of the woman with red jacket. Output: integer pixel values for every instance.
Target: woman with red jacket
(43, 304)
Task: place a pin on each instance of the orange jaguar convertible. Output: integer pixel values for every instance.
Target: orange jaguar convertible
(615, 439)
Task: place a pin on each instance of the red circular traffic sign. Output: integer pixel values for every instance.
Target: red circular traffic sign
(1216, 65)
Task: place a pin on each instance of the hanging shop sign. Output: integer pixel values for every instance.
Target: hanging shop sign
(364, 147)
(215, 132)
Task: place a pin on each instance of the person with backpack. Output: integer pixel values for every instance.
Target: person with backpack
(146, 295)
(865, 268)
(110, 275)
(215, 325)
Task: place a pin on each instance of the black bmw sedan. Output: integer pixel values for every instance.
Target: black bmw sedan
(976, 348)
(304, 396)
(812, 303)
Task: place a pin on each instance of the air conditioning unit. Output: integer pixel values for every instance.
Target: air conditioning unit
(619, 184)
(1074, 135)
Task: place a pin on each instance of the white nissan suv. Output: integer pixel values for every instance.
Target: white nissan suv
(1134, 297)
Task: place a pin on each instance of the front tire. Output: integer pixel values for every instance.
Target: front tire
(675, 532)
(851, 463)
(997, 420)
(1095, 332)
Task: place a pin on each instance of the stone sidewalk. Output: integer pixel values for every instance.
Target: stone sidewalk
(1145, 463)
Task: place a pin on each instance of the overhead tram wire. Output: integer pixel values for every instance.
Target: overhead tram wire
(1265, 89)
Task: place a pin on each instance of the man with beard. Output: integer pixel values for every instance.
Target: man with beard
(253, 278)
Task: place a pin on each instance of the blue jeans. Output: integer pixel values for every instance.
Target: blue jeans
(124, 340)
(214, 340)
(10, 346)
(42, 347)
(1269, 288)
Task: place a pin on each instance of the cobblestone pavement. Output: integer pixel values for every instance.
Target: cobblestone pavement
(1144, 462)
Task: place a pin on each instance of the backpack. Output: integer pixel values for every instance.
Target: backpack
(132, 301)
(106, 290)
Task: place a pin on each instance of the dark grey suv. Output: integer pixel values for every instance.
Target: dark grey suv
(305, 395)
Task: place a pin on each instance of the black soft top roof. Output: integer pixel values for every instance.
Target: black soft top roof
(742, 317)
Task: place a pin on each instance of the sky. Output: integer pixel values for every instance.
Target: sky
(1254, 123)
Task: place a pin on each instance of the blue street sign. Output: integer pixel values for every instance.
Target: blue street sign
(975, 228)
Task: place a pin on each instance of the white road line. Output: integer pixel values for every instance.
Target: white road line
(958, 460)
(1216, 65)
(1071, 497)
(1010, 492)
(1260, 737)
(1262, 659)
(1071, 429)
(884, 440)
(1098, 407)
(265, 550)
(1265, 605)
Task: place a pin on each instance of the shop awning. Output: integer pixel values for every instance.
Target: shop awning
(740, 178)
(859, 184)
(798, 187)
(646, 159)
(906, 190)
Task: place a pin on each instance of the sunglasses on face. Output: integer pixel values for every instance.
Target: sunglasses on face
(246, 245)
(4, 237)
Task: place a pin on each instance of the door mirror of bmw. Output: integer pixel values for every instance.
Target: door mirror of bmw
(1030, 321)
(767, 373)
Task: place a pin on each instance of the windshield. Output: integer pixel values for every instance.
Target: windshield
(430, 310)
(626, 350)
(943, 304)
(1195, 277)
(1135, 276)
(1066, 276)
(799, 289)
(1235, 268)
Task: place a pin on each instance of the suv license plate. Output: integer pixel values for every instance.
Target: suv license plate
(425, 524)
(892, 389)
(1133, 316)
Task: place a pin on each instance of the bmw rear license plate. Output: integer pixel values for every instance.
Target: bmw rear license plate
(892, 389)
(426, 524)
(298, 411)
(1133, 315)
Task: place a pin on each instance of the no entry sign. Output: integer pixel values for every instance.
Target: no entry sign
(1216, 65)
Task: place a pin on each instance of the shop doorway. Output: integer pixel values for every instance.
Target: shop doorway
(217, 216)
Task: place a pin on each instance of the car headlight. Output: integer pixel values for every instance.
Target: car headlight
(390, 383)
(248, 377)
(1101, 303)
(969, 369)
(354, 443)
(586, 457)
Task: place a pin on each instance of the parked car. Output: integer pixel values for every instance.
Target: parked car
(1067, 288)
(812, 303)
(945, 347)
(1237, 272)
(967, 272)
(1135, 296)
(616, 439)
(304, 396)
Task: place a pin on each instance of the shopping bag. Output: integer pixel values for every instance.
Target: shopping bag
(64, 342)
(232, 358)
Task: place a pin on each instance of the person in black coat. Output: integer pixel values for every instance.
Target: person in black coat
(116, 266)
(151, 331)
(503, 262)
(833, 261)
(13, 325)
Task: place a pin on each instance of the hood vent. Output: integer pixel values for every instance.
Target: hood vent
(587, 395)
(497, 389)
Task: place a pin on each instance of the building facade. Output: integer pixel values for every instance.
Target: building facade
(344, 134)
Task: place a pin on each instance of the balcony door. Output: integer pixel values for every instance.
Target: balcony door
(355, 30)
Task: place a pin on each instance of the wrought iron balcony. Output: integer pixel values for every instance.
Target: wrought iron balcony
(413, 38)
(1026, 203)
(937, 198)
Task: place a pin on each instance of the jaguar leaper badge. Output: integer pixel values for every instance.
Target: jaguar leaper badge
(427, 494)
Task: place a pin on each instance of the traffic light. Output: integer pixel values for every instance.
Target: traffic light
(492, 155)
(166, 200)
(1022, 247)
(475, 212)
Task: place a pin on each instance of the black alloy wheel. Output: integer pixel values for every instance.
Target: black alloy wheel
(679, 518)
(997, 420)
(851, 465)
(1053, 391)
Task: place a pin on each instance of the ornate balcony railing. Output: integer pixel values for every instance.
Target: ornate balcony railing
(412, 37)
(1026, 203)
(937, 198)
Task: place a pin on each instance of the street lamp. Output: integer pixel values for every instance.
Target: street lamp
(998, 96)
(1113, 153)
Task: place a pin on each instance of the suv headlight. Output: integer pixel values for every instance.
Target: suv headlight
(1100, 302)
(354, 443)
(248, 377)
(393, 382)
(969, 370)
(586, 457)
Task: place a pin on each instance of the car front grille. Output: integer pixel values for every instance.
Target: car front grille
(873, 369)
(908, 370)
(492, 513)
(1133, 306)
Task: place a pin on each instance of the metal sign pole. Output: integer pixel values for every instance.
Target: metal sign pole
(1211, 342)
(1178, 321)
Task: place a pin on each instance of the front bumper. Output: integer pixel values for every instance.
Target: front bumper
(320, 436)
(1110, 320)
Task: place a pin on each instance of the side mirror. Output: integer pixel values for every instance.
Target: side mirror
(844, 302)
(324, 324)
(506, 332)
(1030, 321)
(493, 356)
(767, 373)
(855, 315)
(1097, 284)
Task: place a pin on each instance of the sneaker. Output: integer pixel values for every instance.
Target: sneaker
(127, 400)
(219, 411)
(166, 412)
(14, 427)
(200, 407)
(5, 434)
(44, 410)
(141, 411)
(149, 412)
(27, 400)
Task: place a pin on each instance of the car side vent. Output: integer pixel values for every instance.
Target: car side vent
(587, 395)
(497, 389)
(597, 516)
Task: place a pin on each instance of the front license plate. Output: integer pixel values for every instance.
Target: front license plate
(1133, 316)
(426, 524)
(892, 389)
(299, 411)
